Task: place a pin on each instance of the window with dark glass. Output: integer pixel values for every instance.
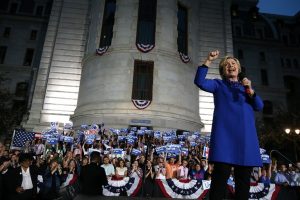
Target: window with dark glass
(260, 33)
(27, 6)
(48, 7)
(13, 8)
(268, 108)
(288, 63)
(2, 53)
(108, 23)
(264, 77)
(6, 32)
(262, 56)
(28, 57)
(182, 28)
(282, 62)
(240, 54)
(296, 65)
(146, 22)
(142, 80)
(21, 89)
(33, 34)
(39, 10)
(4, 5)
(238, 31)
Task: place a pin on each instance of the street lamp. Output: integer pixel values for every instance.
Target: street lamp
(297, 131)
(287, 131)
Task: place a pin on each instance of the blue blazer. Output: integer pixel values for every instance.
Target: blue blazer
(233, 135)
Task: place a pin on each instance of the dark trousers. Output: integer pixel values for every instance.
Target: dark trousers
(220, 176)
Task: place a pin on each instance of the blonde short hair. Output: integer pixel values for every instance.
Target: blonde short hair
(223, 63)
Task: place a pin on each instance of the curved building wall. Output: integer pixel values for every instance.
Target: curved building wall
(106, 81)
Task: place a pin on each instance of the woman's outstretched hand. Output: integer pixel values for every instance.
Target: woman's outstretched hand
(213, 55)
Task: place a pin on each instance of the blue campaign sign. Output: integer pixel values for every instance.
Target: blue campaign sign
(143, 128)
(130, 141)
(68, 139)
(84, 126)
(185, 151)
(136, 152)
(193, 144)
(90, 136)
(117, 151)
(141, 132)
(89, 141)
(173, 149)
(181, 137)
(157, 134)
(148, 132)
(94, 127)
(265, 158)
(52, 141)
(160, 150)
(167, 139)
(121, 138)
(182, 143)
(133, 129)
(45, 136)
(124, 130)
(105, 141)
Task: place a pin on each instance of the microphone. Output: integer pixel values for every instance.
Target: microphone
(241, 77)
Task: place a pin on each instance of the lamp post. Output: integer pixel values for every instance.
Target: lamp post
(297, 132)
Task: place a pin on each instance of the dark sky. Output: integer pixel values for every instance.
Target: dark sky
(281, 7)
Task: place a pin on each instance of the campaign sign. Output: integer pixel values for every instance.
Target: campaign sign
(89, 141)
(167, 139)
(130, 141)
(136, 152)
(90, 136)
(193, 144)
(68, 126)
(185, 151)
(45, 136)
(262, 151)
(121, 138)
(84, 126)
(133, 129)
(160, 150)
(52, 141)
(265, 158)
(173, 149)
(117, 151)
(182, 143)
(148, 132)
(124, 130)
(181, 137)
(140, 132)
(157, 134)
(143, 128)
(68, 139)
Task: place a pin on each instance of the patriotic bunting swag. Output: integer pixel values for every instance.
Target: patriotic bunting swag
(184, 58)
(129, 185)
(101, 50)
(141, 104)
(193, 189)
(144, 47)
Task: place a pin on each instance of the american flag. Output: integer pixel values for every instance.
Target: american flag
(20, 137)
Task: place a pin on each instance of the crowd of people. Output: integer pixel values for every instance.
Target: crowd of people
(41, 170)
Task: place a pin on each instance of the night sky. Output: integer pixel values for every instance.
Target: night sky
(281, 7)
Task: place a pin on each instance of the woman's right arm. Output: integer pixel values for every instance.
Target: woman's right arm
(200, 80)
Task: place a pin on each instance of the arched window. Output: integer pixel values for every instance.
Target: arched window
(145, 37)
(108, 23)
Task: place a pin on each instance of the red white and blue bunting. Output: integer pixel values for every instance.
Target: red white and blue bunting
(184, 58)
(173, 188)
(101, 50)
(193, 189)
(131, 186)
(141, 104)
(144, 47)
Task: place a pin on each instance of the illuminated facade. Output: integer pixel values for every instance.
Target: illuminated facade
(74, 83)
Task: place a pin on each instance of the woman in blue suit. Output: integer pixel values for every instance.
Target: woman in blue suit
(234, 141)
